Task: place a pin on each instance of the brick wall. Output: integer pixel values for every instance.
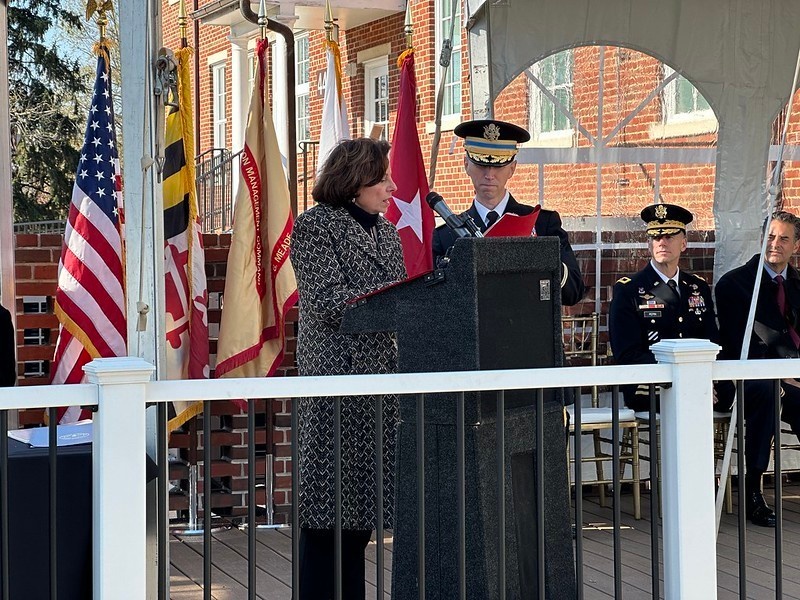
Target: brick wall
(36, 268)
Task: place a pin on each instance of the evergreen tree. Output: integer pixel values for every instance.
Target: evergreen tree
(46, 116)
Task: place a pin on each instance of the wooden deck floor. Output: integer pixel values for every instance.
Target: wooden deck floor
(229, 574)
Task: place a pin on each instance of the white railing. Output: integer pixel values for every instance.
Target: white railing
(121, 388)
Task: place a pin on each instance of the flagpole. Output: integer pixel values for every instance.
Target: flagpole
(291, 107)
(408, 27)
(269, 458)
(182, 22)
(328, 21)
(7, 280)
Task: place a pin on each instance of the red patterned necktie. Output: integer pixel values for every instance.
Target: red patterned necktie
(780, 297)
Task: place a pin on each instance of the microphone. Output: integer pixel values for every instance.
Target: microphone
(461, 227)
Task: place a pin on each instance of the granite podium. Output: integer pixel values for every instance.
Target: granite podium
(495, 305)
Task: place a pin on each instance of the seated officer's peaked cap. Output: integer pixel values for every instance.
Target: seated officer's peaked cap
(665, 219)
(491, 143)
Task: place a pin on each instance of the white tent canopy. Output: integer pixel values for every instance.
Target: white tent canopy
(740, 54)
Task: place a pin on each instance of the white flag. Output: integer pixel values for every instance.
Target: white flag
(334, 110)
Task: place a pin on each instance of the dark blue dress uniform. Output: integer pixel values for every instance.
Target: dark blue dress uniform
(645, 310)
(547, 223)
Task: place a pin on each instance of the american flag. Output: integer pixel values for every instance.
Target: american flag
(90, 300)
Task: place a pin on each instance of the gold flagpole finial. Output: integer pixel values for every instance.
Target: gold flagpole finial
(182, 22)
(262, 19)
(408, 28)
(100, 7)
(328, 21)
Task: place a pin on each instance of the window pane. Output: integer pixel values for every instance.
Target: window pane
(303, 63)
(303, 119)
(684, 103)
(700, 102)
(555, 74)
(447, 22)
(564, 98)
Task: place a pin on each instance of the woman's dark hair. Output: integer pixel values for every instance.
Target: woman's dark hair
(351, 165)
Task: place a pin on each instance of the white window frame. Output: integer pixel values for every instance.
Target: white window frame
(302, 88)
(37, 368)
(670, 101)
(251, 71)
(219, 95)
(556, 137)
(450, 118)
(35, 305)
(36, 336)
(373, 69)
(675, 124)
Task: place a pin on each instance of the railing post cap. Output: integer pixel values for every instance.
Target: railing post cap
(122, 369)
(685, 350)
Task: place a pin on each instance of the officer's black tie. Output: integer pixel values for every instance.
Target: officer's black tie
(491, 217)
(674, 287)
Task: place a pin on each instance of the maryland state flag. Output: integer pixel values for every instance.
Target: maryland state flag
(259, 284)
(184, 260)
(410, 214)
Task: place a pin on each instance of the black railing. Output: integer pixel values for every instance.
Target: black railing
(40, 227)
(307, 171)
(215, 173)
(494, 475)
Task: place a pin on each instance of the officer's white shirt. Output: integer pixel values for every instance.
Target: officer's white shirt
(499, 209)
(666, 279)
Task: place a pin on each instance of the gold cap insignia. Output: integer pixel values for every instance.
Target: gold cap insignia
(491, 132)
(661, 211)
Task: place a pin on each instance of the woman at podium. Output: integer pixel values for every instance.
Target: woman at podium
(343, 248)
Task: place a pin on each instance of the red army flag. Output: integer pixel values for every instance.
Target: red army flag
(408, 211)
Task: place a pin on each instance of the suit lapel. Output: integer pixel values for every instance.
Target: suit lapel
(661, 290)
(473, 212)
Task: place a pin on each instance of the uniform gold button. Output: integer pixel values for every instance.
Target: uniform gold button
(680, 335)
(680, 319)
(652, 320)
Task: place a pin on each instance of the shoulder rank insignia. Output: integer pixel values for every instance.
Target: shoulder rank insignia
(624, 280)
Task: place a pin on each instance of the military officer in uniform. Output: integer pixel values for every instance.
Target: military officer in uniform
(490, 161)
(659, 302)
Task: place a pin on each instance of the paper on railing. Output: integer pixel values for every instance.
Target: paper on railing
(66, 435)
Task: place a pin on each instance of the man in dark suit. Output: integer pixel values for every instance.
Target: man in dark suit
(775, 335)
(490, 161)
(661, 301)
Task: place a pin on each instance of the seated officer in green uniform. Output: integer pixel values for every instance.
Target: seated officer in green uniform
(661, 301)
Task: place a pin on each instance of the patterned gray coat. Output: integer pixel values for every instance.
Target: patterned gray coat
(335, 260)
